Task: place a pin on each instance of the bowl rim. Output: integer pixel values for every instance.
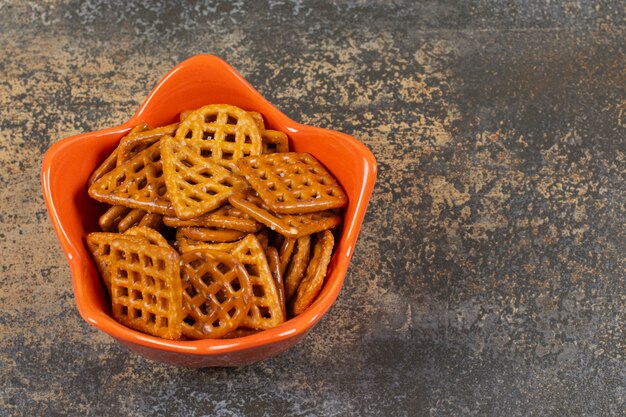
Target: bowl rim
(287, 330)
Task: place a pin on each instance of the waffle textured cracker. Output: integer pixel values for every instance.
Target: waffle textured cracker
(99, 245)
(112, 159)
(273, 140)
(223, 133)
(313, 281)
(288, 225)
(183, 114)
(258, 119)
(265, 311)
(195, 184)
(138, 183)
(146, 291)
(292, 183)
(136, 142)
(216, 294)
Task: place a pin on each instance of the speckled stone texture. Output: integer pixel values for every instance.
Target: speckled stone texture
(489, 278)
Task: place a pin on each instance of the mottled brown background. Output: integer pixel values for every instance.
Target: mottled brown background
(489, 278)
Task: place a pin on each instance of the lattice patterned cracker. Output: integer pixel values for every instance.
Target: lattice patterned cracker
(288, 225)
(195, 185)
(146, 291)
(99, 245)
(258, 119)
(138, 183)
(136, 142)
(292, 182)
(313, 281)
(216, 294)
(183, 114)
(273, 140)
(265, 311)
(111, 160)
(226, 217)
(223, 133)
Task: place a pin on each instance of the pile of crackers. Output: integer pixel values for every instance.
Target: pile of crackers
(215, 229)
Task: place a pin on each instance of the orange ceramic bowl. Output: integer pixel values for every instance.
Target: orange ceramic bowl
(200, 80)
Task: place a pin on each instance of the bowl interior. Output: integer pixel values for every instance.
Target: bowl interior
(200, 80)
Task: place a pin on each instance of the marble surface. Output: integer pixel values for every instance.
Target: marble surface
(489, 278)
